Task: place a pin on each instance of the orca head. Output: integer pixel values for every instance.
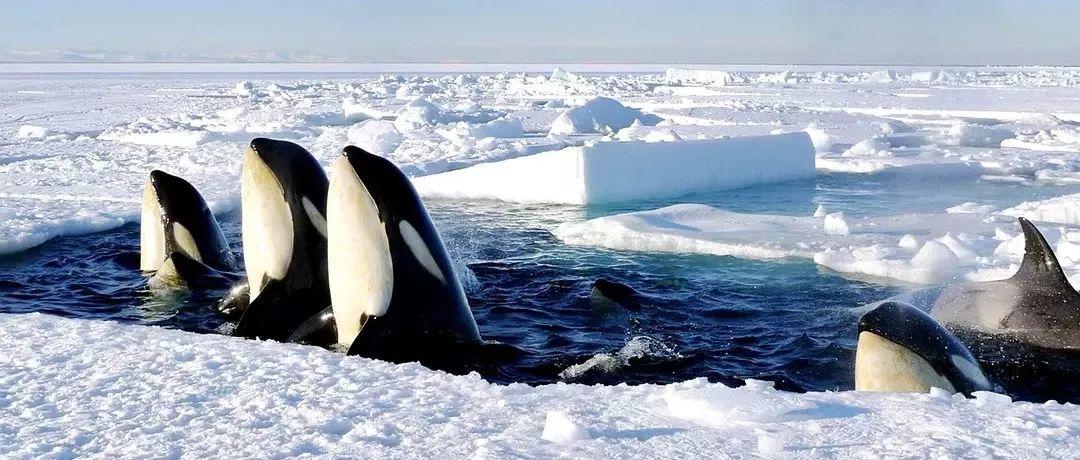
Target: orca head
(176, 219)
(605, 291)
(902, 349)
(283, 208)
(375, 220)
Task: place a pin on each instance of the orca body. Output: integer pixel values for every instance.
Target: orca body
(283, 223)
(1036, 306)
(902, 349)
(608, 292)
(180, 241)
(395, 294)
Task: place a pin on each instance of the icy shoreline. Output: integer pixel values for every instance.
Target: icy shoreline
(96, 388)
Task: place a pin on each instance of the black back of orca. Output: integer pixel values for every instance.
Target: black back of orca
(426, 306)
(185, 223)
(282, 304)
(608, 291)
(1037, 305)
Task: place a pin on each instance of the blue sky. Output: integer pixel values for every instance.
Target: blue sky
(631, 31)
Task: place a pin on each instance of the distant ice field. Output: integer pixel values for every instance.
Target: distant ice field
(949, 157)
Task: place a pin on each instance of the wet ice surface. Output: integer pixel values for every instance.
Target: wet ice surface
(74, 151)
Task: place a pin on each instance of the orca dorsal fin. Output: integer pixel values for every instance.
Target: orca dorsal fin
(1039, 262)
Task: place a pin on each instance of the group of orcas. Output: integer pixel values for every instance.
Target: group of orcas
(352, 263)
(355, 263)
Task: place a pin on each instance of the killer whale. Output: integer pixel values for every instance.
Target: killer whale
(394, 292)
(283, 225)
(902, 349)
(1036, 306)
(608, 292)
(180, 241)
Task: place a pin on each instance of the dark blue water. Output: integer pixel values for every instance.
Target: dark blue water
(704, 316)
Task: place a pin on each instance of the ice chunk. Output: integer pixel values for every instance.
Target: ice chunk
(935, 256)
(1061, 210)
(618, 171)
(503, 128)
(971, 207)
(420, 112)
(975, 135)
(823, 142)
(31, 132)
(873, 147)
(356, 111)
(562, 74)
(709, 77)
(989, 398)
(662, 135)
(820, 211)
(600, 115)
(909, 242)
(770, 443)
(375, 136)
(835, 224)
(559, 427)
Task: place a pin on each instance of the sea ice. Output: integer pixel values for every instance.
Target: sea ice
(602, 172)
(83, 388)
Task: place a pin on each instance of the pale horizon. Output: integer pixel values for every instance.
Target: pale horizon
(832, 32)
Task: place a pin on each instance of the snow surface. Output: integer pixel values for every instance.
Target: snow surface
(79, 388)
(603, 172)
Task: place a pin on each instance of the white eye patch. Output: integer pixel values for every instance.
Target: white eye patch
(420, 249)
(186, 242)
(317, 219)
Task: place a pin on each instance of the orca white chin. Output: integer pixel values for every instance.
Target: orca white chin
(267, 223)
(884, 365)
(151, 231)
(359, 260)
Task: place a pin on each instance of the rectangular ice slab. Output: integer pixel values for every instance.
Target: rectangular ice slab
(604, 172)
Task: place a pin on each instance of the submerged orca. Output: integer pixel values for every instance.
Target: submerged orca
(1036, 306)
(903, 349)
(180, 241)
(283, 208)
(395, 294)
(608, 292)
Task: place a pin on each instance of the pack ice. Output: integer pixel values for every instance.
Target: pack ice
(969, 243)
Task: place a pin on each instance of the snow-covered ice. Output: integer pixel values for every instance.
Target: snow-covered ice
(77, 388)
(603, 172)
(914, 248)
(93, 140)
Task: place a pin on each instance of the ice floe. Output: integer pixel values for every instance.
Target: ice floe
(913, 248)
(602, 172)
